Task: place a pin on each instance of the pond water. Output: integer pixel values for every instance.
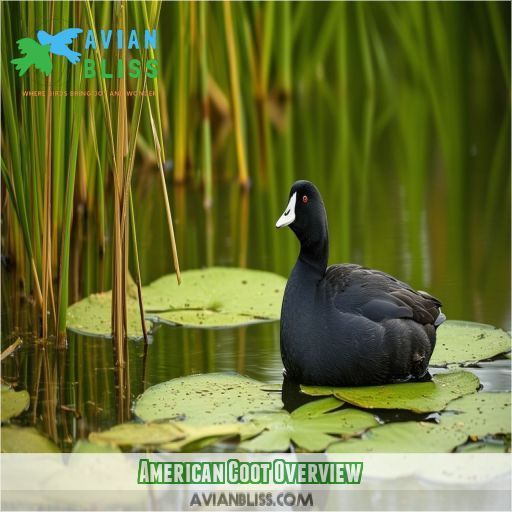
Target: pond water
(73, 390)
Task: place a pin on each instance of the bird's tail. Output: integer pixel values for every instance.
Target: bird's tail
(74, 57)
(22, 64)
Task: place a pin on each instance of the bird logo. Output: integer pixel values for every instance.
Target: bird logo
(59, 43)
(38, 53)
(35, 54)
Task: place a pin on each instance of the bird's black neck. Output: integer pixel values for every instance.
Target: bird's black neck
(315, 251)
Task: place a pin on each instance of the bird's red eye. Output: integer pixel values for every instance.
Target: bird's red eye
(304, 199)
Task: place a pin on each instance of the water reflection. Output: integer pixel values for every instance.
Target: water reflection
(76, 391)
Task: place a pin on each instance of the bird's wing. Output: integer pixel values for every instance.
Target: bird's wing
(67, 36)
(28, 45)
(378, 296)
(44, 63)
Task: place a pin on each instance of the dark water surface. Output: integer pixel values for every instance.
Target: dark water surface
(73, 391)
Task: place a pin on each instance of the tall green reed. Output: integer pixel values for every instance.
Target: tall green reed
(67, 155)
(268, 92)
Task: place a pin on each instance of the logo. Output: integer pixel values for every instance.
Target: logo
(37, 53)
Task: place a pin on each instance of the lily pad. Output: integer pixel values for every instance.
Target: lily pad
(209, 399)
(201, 436)
(83, 446)
(92, 316)
(13, 402)
(25, 440)
(213, 297)
(467, 343)
(479, 414)
(483, 447)
(403, 437)
(311, 427)
(203, 318)
(138, 434)
(216, 296)
(414, 396)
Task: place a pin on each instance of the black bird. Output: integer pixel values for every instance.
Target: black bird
(346, 325)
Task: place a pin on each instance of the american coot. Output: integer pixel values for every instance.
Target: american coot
(346, 325)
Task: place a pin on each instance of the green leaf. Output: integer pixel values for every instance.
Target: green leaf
(13, 402)
(236, 295)
(170, 436)
(479, 414)
(25, 440)
(404, 437)
(201, 436)
(468, 342)
(413, 396)
(213, 297)
(208, 399)
(483, 447)
(138, 434)
(83, 446)
(92, 316)
(311, 427)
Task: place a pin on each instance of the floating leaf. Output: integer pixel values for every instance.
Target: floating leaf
(217, 296)
(92, 316)
(208, 399)
(25, 440)
(83, 446)
(310, 427)
(483, 447)
(214, 297)
(201, 436)
(413, 396)
(479, 414)
(138, 434)
(468, 342)
(203, 318)
(13, 402)
(404, 437)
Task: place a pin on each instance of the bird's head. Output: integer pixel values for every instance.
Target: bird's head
(306, 217)
(43, 37)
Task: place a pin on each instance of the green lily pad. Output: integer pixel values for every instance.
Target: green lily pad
(467, 343)
(92, 316)
(25, 440)
(479, 414)
(414, 396)
(201, 436)
(83, 446)
(483, 447)
(138, 434)
(203, 318)
(216, 296)
(13, 402)
(208, 399)
(310, 427)
(403, 437)
(213, 297)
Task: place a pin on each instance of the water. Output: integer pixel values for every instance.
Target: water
(73, 391)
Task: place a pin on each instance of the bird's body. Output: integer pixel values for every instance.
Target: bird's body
(346, 325)
(34, 54)
(59, 43)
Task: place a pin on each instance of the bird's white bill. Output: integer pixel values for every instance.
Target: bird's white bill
(289, 214)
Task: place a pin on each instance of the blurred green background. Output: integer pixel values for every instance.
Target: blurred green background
(398, 112)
